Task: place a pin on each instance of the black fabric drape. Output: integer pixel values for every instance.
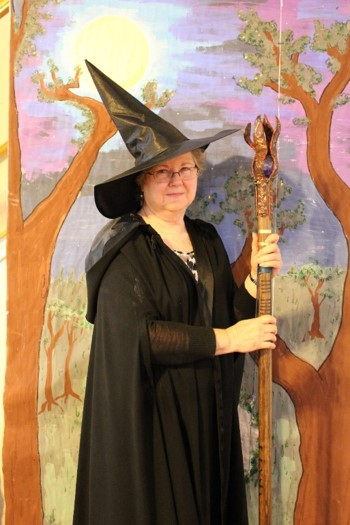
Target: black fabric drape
(160, 442)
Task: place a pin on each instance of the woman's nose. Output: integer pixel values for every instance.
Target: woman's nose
(175, 178)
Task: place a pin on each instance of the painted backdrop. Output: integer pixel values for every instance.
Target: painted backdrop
(204, 65)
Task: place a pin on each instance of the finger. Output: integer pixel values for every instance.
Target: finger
(273, 238)
(269, 248)
(268, 319)
(254, 243)
(269, 254)
(267, 257)
(268, 262)
(267, 346)
(270, 335)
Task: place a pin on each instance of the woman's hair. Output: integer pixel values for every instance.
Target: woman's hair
(198, 157)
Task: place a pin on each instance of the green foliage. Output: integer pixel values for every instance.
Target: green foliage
(51, 518)
(52, 66)
(341, 100)
(263, 58)
(85, 127)
(274, 50)
(256, 28)
(254, 86)
(67, 300)
(248, 402)
(202, 207)
(313, 274)
(33, 27)
(334, 37)
(151, 98)
(37, 77)
(301, 122)
(239, 195)
(252, 473)
(291, 219)
(277, 55)
(306, 77)
(240, 200)
(286, 100)
(333, 65)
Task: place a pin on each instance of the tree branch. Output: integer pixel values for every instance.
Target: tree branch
(321, 301)
(292, 373)
(18, 35)
(62, 92)
(340, 80)
(294, 90)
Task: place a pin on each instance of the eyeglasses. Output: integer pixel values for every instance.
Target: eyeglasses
(165, 175)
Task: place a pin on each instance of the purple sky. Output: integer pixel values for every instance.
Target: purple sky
(196, 53)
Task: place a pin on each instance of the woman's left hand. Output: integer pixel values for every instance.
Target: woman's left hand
(268, 256)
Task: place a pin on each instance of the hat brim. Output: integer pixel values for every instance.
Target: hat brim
(118, 195)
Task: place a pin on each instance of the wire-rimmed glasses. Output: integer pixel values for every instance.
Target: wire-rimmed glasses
(165, 175)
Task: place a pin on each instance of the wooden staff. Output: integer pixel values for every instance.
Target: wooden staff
(264, 169)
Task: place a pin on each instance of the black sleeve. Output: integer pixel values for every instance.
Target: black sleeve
(177, 343)
(174, 344)
(244, 305)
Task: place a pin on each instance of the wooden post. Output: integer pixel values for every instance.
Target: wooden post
(264, 169)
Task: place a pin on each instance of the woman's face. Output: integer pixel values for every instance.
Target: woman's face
(172, 196)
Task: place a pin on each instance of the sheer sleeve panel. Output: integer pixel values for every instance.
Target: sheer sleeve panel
(178, 343)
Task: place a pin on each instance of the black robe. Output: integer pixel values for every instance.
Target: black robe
(160, 441)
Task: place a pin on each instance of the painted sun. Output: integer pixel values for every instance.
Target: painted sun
(117, 46)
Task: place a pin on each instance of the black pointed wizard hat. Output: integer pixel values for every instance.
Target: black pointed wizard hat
(150, 139)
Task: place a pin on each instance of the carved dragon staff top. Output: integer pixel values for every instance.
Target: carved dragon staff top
(264, 169)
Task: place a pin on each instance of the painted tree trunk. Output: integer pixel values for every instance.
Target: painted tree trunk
(321, 396)
(30, 246)
(27, 268)
(323, 419)
(315, 328)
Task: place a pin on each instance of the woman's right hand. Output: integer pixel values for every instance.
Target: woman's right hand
(247, 336)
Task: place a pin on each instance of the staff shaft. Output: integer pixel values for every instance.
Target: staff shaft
(264, 387)
(264, 169)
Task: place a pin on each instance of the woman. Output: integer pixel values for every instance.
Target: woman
(160, 438)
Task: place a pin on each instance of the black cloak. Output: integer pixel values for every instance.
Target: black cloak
(160, 441)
